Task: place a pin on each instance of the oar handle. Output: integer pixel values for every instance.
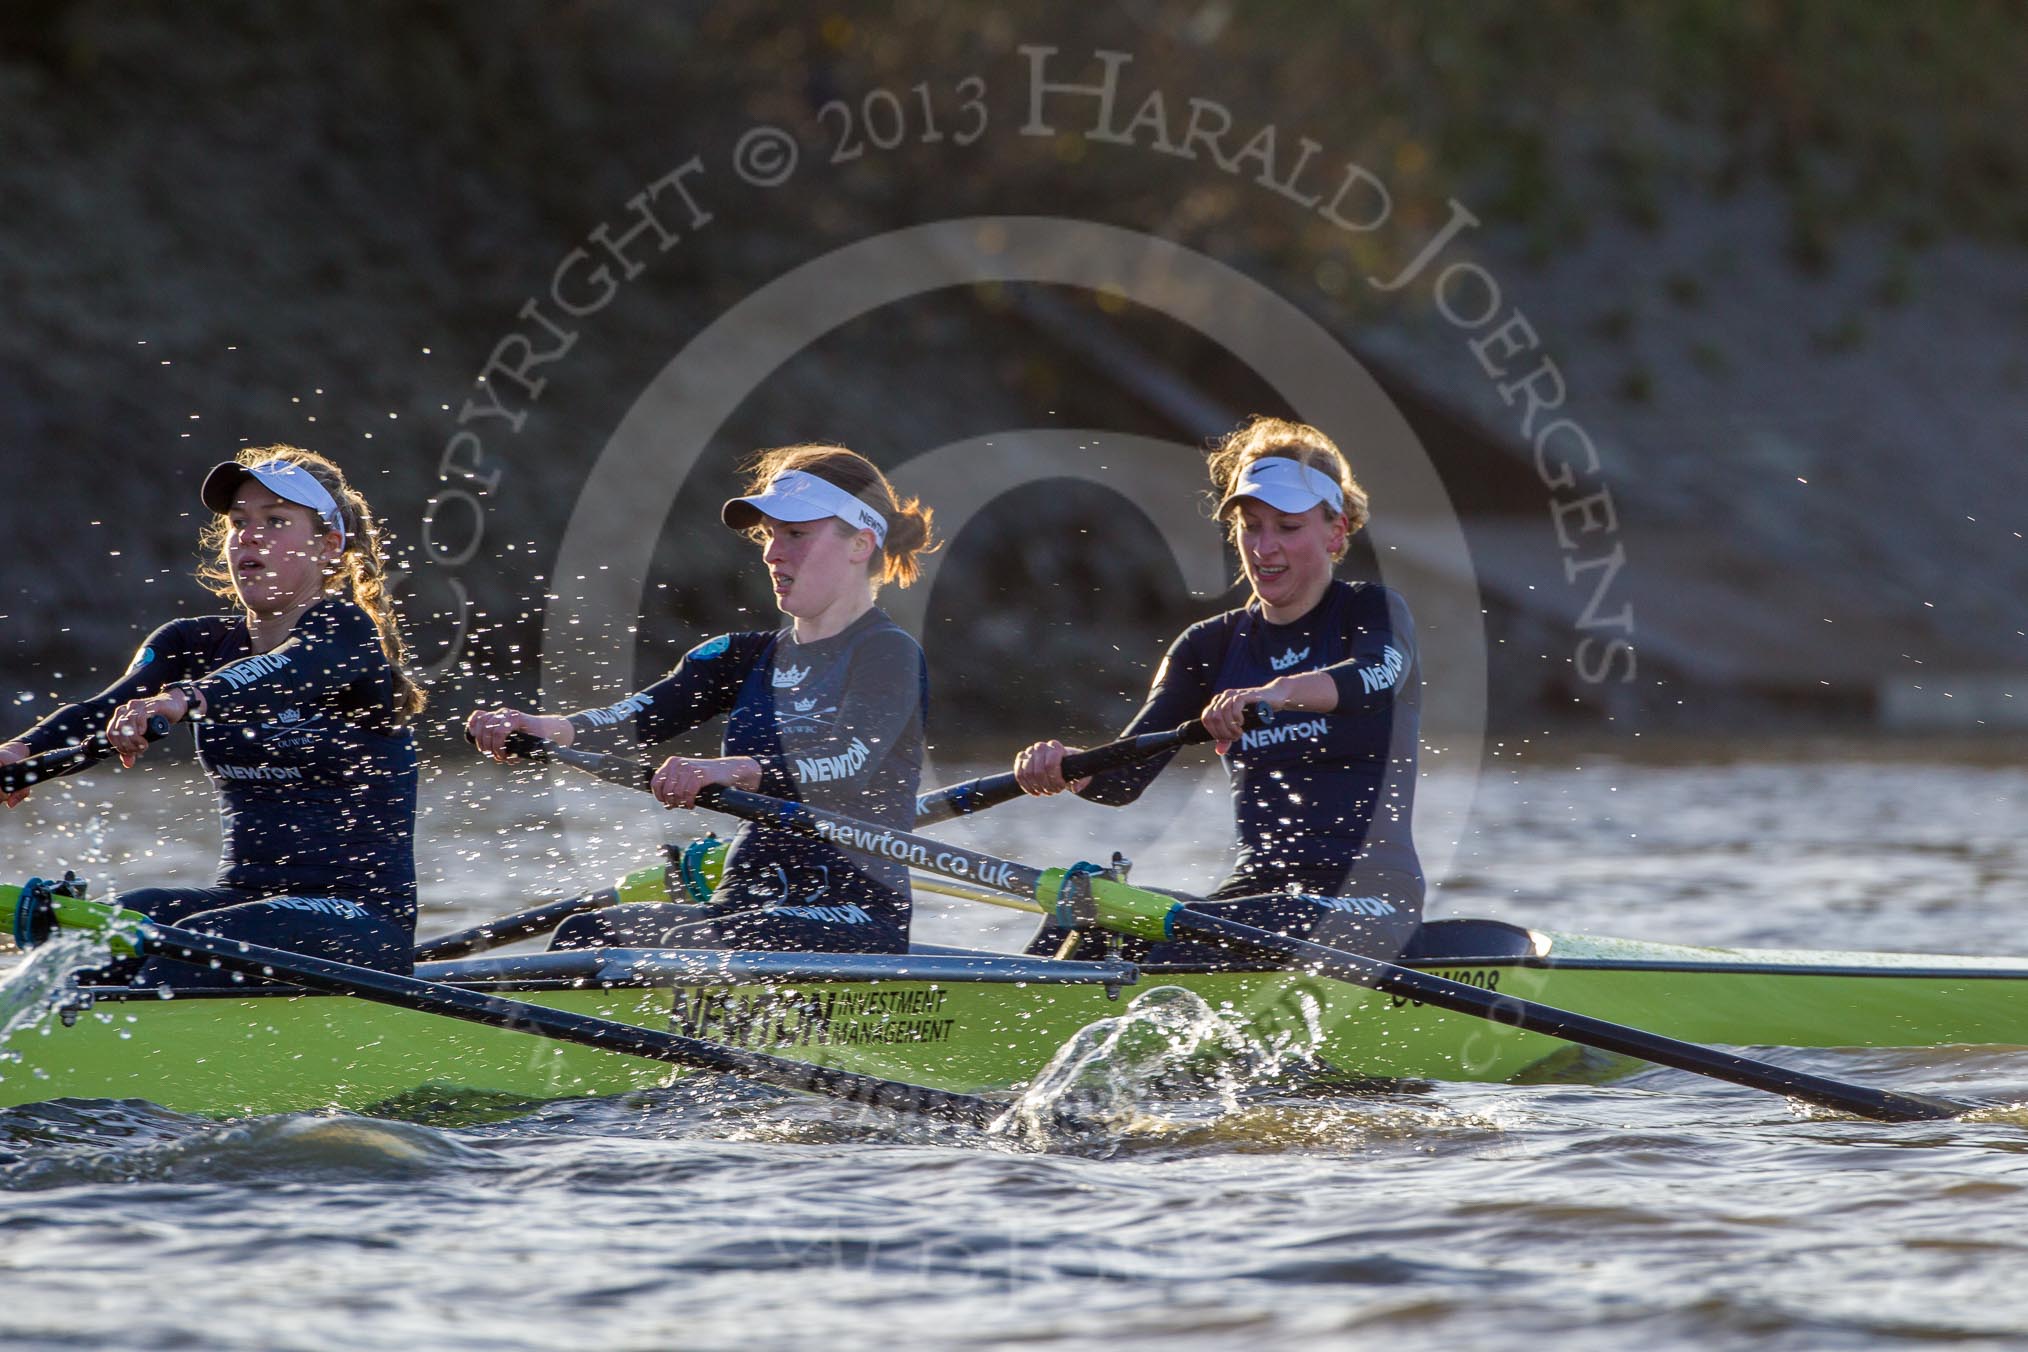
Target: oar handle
(70, 759)
(630, 774)
(976, 795)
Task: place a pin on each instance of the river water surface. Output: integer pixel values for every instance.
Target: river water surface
(1657, 1209)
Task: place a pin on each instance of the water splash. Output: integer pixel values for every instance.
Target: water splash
(1169, 1045)
(29, 992)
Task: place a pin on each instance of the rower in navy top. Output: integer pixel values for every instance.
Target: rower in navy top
(828, 711)
(834, 722)
(300, 708)
(1323, 795)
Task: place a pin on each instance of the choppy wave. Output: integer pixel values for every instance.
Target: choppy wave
(67, 1143)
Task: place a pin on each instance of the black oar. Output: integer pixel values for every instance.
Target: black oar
(510, 929)
(687, 874)
(1885, 1105)
(1132, 910)
(621, 770)
(976, 795)
(957, 800)
(144, 938)
(24, 774)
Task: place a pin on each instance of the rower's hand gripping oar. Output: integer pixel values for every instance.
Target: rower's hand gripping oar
(620, 770)
(67, 760)
(41, 909)
(1134, 911)
(976, 795)
(957, 800)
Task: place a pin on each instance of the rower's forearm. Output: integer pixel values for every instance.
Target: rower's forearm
(553, 728)
(1307, 692)
(79, 722)
(742, 772)
(324, 656)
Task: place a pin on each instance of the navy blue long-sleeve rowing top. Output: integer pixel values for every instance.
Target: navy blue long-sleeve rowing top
(1318, 800)
(837, 724)
(315, 770)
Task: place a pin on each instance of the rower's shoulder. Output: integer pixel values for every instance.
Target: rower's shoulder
(883, 634)
(1363, 598)
(1214, 631)
(1224, 619)
(884, 646)
(189, 633)
(739, 648)
(339, 615)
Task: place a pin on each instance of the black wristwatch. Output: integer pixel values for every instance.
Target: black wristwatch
(193, 702)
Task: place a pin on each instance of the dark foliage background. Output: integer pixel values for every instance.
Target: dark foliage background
(311, 222)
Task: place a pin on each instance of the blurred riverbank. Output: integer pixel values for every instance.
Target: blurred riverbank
(1783, 317)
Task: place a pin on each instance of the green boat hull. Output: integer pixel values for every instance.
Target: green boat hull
(243, 1053)
(982, 1038)
(231, 1056)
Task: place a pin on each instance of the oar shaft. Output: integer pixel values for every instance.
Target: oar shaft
(621, 770)
(495, 1011)
(1881, 1104)
(509, 929)
(942, 888)
(880, 842)
(1132, 910)
(24, 774)
(976, 795)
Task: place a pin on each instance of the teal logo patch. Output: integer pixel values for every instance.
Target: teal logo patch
(143, 655)
(711, 648)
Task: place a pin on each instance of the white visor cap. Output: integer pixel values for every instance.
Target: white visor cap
(1285, 485)
(287, 481)
(793, 495)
